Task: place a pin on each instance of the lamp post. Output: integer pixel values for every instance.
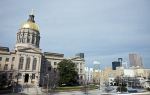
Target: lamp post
(85, 85)
(17, 76)
(47, 82)
(97, 66)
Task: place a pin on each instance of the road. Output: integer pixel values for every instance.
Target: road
(89, 92)
(96, 92)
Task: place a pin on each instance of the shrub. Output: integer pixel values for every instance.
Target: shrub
(148, 89)
(122, 88)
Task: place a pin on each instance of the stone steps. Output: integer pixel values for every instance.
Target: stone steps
(32, 91)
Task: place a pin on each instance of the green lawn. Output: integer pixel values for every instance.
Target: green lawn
(75, 88)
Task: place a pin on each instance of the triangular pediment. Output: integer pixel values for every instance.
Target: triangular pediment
(30, 50)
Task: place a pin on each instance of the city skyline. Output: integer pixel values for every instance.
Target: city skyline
(103, 30)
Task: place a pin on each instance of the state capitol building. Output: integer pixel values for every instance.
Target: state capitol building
(27, 64)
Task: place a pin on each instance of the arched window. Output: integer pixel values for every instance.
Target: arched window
(21, 62)
(28, 63)
(34, 64)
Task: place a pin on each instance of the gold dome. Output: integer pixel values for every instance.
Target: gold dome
(30, 25)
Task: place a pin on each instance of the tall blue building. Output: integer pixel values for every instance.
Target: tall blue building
(117, 63)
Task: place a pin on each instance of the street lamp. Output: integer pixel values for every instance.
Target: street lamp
(17, 77)
(85, 85)
(97, 66)
(47, 82)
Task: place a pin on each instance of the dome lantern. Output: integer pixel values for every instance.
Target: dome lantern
(30, 23)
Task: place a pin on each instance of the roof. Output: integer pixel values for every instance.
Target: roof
(53, 54)
(6, 49)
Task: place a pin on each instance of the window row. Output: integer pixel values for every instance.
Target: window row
(81, 71)
(27, 65)
(19, 76)
(7, 59)
(6, 67)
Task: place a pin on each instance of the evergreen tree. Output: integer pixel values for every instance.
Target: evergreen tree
(67, 73)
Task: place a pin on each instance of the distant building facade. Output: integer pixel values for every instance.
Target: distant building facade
(27, 64)
(116, 64)
(135, 60)
(89, 75)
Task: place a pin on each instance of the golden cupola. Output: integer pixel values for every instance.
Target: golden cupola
(30, 24)
(28, 35)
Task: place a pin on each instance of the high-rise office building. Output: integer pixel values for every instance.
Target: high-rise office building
(135, 60)
(117, 63)
(120, 60)
(81, 55)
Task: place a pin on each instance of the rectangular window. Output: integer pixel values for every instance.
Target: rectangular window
(19, 75)
(55, 63)
(6, 67)
(34, 64)
(0, 67)
(49, 68)
(28, 63)
(0, 58)
(80, 64)
(77, 70)
(7, 60)
(21, 63)
(10, 75)
(13, 59)
(55, 69)
(80, 70)
(12, 66)
(33, 76)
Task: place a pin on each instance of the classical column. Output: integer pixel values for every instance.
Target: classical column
(38, 42)
(19, 35)
(38, 67)
(17, 61)
(26, 38)
(31, 63)
(17, 38)
(33, 38)
(38, 64)
(30, 38)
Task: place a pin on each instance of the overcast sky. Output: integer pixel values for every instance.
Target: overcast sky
(103, 29)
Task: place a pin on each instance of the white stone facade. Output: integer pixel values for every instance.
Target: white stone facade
(27, 64)
(80, 63)
(89, 74)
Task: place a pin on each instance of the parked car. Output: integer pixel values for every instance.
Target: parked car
(131, 90)
(109, 88)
